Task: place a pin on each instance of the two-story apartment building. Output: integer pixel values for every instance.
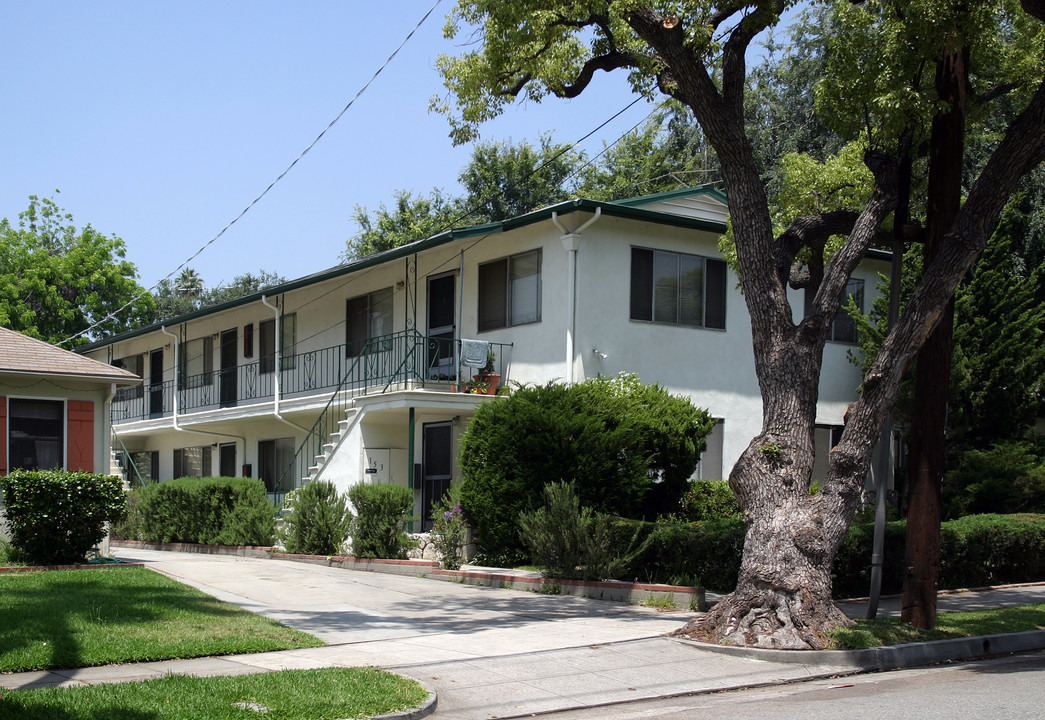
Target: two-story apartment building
(368, 370)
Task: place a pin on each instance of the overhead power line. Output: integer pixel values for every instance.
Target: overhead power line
(255, 201)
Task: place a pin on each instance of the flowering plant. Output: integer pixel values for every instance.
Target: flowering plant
(449, 528)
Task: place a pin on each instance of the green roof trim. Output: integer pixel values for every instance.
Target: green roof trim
(613, 209)
(667, 195)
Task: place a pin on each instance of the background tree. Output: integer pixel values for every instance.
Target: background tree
(504, 180)
(57, 280)
(695, 52)
(188, 293)
(408, 220)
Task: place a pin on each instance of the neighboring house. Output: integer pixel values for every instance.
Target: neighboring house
(54, 406)
(356, 372)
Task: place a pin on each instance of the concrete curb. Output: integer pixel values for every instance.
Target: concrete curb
(892, 657)
(421, 711)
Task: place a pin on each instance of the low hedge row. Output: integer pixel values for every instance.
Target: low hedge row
(975, 550)
(210, 511)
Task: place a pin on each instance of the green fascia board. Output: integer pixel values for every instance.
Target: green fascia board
(697, 191)
(614, 209)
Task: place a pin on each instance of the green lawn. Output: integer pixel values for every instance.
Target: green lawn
(79, 618)
(890, 631)
(285, 695)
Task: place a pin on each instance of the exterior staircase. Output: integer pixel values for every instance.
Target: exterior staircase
(344, 427)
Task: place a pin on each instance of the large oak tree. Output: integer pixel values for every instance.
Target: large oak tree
(695, 52)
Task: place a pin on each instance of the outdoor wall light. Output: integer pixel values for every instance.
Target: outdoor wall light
(597, 353)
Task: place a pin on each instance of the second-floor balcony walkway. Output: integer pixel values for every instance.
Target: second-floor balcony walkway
(390, 362)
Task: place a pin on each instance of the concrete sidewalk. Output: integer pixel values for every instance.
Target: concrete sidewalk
(487, 652)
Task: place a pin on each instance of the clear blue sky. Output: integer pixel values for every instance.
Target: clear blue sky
(160, 122)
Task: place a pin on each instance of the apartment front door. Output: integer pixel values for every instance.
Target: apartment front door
(228, 386)
(437, 464)
(227, 459)
(156, 383)
(442, 314)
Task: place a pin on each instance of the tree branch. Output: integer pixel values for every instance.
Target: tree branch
(610, 61)
(811, 231)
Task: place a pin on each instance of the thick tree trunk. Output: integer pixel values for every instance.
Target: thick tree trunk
(933, 372)
(783, 596)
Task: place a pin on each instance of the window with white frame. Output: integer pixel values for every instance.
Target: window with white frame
(510, 291)
(843, 328)
(35, 434)
(677, 288)
(367, 317)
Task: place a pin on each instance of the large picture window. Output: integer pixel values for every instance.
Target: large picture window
(267, 343)
(192, 462)
(677, 288)
(510, 291)
(843, 328)
(35, 436)
(367, 317)
(274, 457)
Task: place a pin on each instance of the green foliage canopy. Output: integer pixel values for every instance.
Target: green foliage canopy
(56, 280)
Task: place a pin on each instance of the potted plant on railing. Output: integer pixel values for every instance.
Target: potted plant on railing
(487, 380)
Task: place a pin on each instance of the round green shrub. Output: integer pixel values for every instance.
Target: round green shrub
(629, 449)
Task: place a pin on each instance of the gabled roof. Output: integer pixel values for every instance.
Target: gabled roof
(23, 355)
(630, 209)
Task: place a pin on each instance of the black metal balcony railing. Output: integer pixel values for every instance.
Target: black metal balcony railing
(382, 363)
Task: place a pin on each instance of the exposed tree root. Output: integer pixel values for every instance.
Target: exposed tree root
(767, 618)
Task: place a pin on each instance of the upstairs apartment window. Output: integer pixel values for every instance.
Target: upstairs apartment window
(136, 365)
(677, 288)
(367, 317)
(843, 328)
(35, 437)
(510, 291)
(267, 343)
(196, 363)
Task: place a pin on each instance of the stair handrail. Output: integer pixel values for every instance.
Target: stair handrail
(317, 429)
(130, 459)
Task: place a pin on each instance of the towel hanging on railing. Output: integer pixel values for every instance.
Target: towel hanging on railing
(474, 353)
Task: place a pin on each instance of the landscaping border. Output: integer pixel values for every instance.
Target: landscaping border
(256, 551)
(681, 597)
(11, 569)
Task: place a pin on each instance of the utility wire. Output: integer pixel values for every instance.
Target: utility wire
(112, 315)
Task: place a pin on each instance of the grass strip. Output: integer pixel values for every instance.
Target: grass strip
(890, 631)
(283, 695)
(80, 618)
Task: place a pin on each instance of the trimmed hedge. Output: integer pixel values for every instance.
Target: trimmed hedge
(56, 516)
(319, 520)
(209, 511)
(975, 551)
(382, 512)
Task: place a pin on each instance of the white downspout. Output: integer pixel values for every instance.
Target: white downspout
(174, 398)
(277, 370)
(174, 391)
(571, 241)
